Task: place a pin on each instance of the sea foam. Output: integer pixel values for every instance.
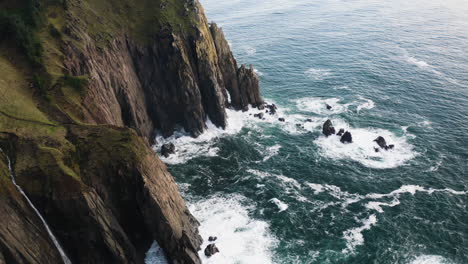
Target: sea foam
(241, 239)
(362, 149)
(354, 236)
(317, 74)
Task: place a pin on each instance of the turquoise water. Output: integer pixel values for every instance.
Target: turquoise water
(273, 192)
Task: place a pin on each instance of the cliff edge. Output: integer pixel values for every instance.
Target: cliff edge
(85, 85)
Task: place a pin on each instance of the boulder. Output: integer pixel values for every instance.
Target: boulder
(381, 142)
(281, 119)
(210, 250)
(259, 115)
(391, 146)
(212, 238)
(272, 108)
(346, 138)
(329, 107)
(328, 128)
(308, 120)
(341, 132)
(167, 149)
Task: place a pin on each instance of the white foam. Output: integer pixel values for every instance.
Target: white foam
(155, 255)
(354, 236)
(259, 73)
(430, 259)
(368, 104)
(347, 198)
(281, 205)
(271, 152)
(251, 51)
(362, 149)
(241, 239)
(419, 63)
(318, 105)
(188, 147)
(317, 74)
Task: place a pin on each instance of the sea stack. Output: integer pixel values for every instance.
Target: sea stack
(328, 128)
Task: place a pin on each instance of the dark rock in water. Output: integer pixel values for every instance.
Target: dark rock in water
(210, 250)
(212, 238)
(381, 142)
(261, 106)
(341, 132)
(346, 138)
(298, 125)
(308, 120)
(272, 108)
(329, 107)
(328, 128)
(391, 146)
(281, 119)
(259, 115)
(167, 149)
(376, 149)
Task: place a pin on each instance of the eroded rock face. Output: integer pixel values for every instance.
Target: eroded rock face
(328, 128)
(109, 207)
(175, 80)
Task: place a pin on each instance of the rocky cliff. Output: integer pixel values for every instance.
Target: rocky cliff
(84, 87)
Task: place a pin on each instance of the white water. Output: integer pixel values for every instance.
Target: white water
(65, 259)
(362, 149)
(155, 255)
(430, 259)
(241, 239)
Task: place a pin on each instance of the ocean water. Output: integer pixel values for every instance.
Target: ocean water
(275, 192)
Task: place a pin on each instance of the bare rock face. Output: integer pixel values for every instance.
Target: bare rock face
(328, 128)
(175, 80)
(241, 83)
(107, 208)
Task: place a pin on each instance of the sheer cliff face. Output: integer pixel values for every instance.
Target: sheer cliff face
(81, 97)
(175, 78)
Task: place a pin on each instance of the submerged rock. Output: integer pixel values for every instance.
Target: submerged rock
(210, 250)
(308, 120)
(341, 132)
(167, 149)
(391, 146)
(328, 128)
(281, 119)
(346, 138)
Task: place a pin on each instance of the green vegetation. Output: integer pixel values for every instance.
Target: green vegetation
(79, 83)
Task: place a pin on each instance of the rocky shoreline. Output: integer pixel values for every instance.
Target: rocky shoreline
(103, 83)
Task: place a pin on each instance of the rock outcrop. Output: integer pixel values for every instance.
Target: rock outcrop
(346, 138)
(105, 77)
(328, 128)
(210, 250)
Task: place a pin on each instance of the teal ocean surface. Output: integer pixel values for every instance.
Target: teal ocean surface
(282, 192)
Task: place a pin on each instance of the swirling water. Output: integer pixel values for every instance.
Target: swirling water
(275, 192)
